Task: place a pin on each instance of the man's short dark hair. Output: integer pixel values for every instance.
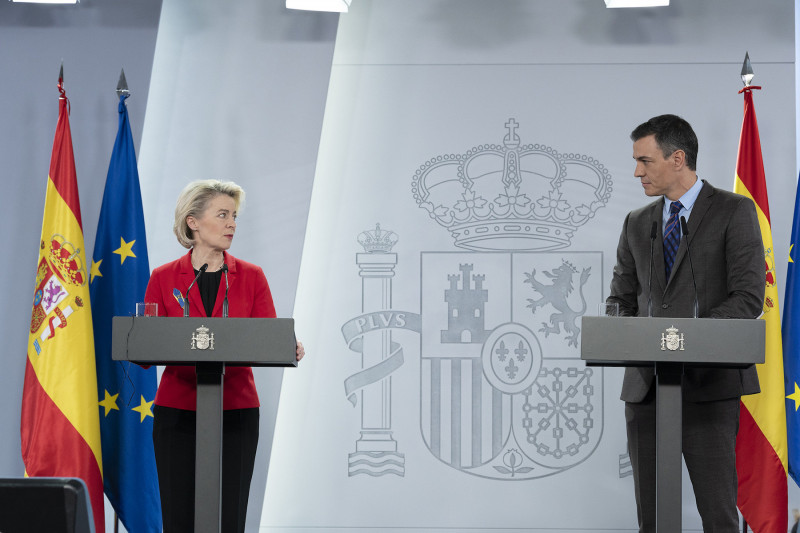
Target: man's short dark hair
(671, 133)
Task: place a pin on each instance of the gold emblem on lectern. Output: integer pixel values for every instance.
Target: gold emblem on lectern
(202, 340)
(671, 340)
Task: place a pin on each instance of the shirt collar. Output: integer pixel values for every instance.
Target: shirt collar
(687, 200)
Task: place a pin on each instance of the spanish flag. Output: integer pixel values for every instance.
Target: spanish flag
(761, 456)
(60, 428)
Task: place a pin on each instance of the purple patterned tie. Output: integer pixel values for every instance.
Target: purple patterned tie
(672, 236)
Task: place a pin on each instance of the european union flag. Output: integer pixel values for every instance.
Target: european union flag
(791, 349)
(119, 276)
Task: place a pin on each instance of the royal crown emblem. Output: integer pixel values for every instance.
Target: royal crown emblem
(670, 340)
(377, 241)
(66, 260)
(201, 340)
(512, 197)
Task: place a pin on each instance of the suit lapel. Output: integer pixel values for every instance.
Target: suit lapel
(701, 206)
(659, 274)
(699, 210)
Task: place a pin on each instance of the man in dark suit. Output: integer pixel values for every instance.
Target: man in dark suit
(728, 258)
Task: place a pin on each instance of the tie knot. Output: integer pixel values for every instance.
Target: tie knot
(675, 207)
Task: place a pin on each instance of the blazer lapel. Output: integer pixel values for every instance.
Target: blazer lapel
(231, 262)
(187, 276)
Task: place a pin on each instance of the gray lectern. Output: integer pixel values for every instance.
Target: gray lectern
(209, 344)
(669, 345)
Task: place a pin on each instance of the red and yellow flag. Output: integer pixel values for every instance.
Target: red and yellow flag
(761, 452)
(60, 426)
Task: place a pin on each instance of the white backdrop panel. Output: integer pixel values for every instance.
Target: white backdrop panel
(450, 438)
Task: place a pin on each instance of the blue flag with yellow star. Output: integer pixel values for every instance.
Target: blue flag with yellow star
(119, 276)
(791, 349)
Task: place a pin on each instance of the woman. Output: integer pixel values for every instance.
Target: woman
(205, 222)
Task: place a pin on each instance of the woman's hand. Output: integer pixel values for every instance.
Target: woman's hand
(300, 351)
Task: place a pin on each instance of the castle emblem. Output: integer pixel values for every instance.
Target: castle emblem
(670, 340)
(465, 307)
(202, 340)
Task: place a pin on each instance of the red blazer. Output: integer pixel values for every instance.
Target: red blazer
(248, 296)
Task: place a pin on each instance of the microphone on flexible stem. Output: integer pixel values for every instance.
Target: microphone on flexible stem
(186, 303)
(685, 231)
(225, 301)
(653, 233)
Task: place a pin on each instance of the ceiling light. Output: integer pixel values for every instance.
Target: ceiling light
(338, 6)
(637, 3)
(47, 1)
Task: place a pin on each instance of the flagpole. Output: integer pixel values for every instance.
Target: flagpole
(122, 88)
(122, 84)
(747, 78)
(748, 75)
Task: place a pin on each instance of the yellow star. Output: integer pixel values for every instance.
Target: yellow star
(145, 409)
(795, 396)
(110, 402)
(95, 270)
(790, 253)
(125, 250)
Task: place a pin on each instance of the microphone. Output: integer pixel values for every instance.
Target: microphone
(186, 303)
(685, 231)
(225, 301)
(653, 233)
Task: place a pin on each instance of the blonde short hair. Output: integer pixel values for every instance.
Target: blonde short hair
(193, 201)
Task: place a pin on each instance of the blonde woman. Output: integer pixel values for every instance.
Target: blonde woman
(205, 223)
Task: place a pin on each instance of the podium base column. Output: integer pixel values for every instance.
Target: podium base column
(208, 458)
(669, 446)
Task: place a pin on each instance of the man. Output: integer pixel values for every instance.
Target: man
(728, 258)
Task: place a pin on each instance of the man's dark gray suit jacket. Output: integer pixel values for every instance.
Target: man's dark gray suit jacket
(729, 268)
